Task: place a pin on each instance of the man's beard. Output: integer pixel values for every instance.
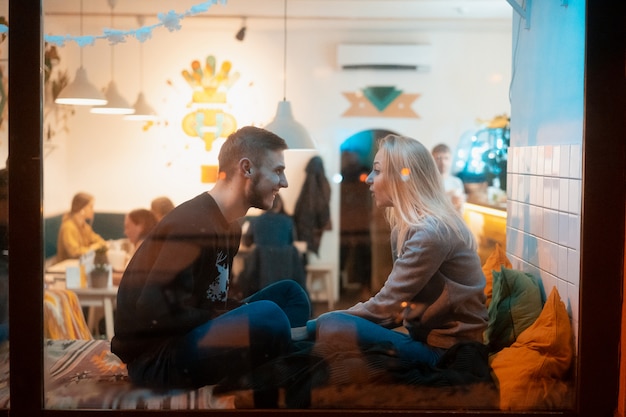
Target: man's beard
(257, 199)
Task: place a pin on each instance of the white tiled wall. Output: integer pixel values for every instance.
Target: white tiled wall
(543, 217)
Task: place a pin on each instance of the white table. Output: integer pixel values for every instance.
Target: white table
(98, 297)
(55, 273)
(60, 267)
(88, 297)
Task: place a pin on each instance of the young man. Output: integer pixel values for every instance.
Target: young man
(174, 325)
(452, 184)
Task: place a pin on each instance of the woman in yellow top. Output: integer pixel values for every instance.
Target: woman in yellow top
(76, 237)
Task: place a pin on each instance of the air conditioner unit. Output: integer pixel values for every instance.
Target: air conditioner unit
(412, 57)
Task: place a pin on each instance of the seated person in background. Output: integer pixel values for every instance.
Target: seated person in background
(452, 184)
(160, 206)
(137, 224)
(76, 237)
(272, 228)
(175, 326)
(436, 287)
(274, 256)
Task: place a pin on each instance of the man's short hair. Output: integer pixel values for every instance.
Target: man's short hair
(248, 142)
(441, 148)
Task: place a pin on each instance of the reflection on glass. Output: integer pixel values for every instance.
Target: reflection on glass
(482, 156)
(524, 363)
(328, 363)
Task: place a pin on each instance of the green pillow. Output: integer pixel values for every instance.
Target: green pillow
(515, 305)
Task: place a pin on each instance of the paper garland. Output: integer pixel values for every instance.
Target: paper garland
(170, 20)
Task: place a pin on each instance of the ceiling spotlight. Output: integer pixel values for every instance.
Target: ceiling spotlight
(241, 34)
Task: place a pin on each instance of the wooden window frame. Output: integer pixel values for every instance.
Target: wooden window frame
(602, 229)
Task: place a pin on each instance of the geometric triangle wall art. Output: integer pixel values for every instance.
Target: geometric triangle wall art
(380, 101)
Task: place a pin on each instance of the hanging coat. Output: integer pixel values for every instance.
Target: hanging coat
(312, 212)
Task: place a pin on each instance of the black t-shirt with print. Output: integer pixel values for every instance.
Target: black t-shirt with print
(178, 278)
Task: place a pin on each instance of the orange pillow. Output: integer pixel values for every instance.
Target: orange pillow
(495, 261)
(531, 373)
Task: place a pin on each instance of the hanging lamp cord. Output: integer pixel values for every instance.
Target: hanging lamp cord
(112, 4)
(141, 21)
(285, 51)
(81, 32)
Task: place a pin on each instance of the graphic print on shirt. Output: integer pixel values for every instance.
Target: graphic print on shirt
(219, 287)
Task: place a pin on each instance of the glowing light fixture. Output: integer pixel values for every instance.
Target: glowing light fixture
(116, 104)
(143, 110)
(288, 128)
(81, 92)
(284, 124)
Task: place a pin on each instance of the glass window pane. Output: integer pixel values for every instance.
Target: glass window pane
(93, 308)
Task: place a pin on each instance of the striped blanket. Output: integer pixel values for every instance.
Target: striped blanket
(84, 374)
(62, 316)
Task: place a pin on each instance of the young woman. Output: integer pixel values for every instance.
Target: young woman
(435, 290)
(137, 224)
(76, 237)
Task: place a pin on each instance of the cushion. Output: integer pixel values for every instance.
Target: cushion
(515, 305)
(494, 262)
(532, 373)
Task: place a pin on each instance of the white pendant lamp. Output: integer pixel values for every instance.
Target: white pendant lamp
(116, 104)
(143, 111)
(284, 124)
(81, 92)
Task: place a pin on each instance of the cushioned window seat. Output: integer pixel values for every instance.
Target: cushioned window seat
(524, 364)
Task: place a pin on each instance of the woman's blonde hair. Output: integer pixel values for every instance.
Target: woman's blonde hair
(416, 189)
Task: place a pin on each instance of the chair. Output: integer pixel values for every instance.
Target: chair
(63, 317)
(321, 276)
(265, 265)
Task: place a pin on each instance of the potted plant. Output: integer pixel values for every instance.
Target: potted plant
(101, 268)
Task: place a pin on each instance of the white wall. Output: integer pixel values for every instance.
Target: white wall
(125, 167)
(545, 158)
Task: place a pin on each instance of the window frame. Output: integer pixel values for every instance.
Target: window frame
(601, 264)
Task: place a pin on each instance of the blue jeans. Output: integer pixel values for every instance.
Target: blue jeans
(229, 345)
(350, 332)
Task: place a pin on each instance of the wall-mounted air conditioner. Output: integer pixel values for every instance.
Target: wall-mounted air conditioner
(410, 57)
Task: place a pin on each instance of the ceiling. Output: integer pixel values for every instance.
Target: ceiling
(266, 14)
